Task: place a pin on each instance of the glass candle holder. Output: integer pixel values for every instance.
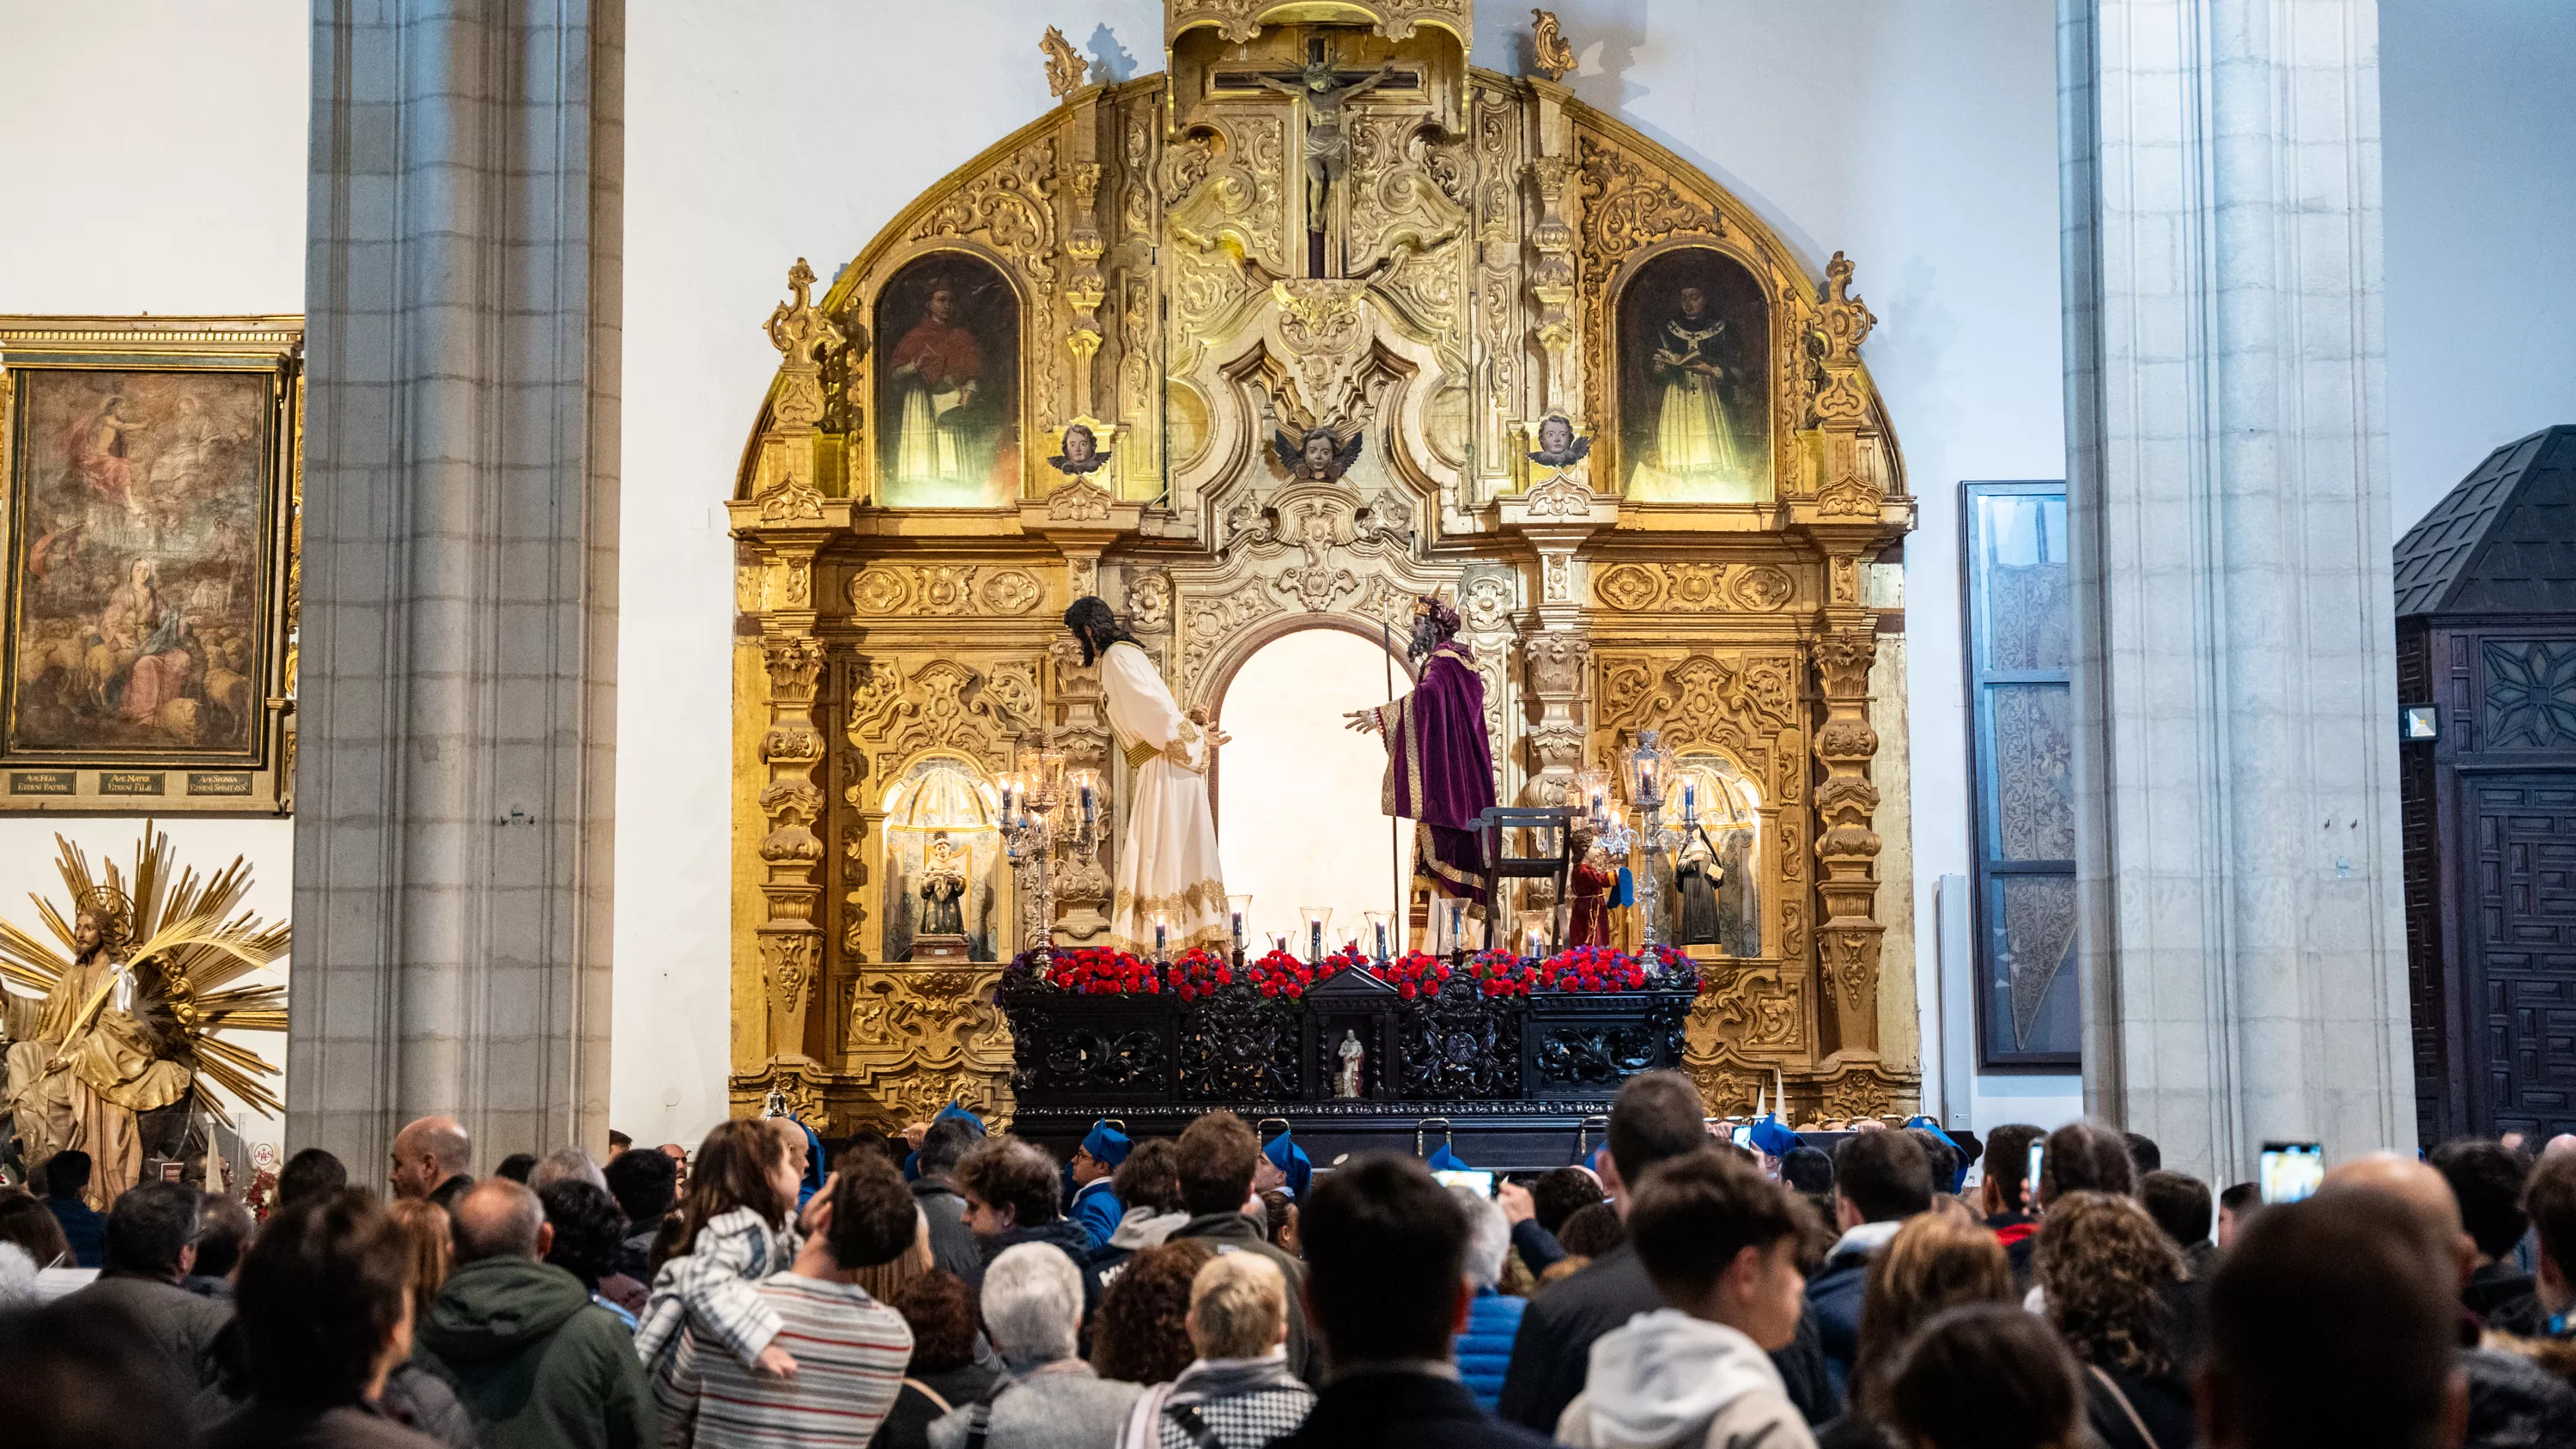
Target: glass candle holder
(1315, 918)
(1377, 922)
(1238, 911)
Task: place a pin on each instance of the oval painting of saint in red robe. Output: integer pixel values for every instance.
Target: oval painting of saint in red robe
(948, 365)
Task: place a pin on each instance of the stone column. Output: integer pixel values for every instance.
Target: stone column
(2235, 758)
(453, 820)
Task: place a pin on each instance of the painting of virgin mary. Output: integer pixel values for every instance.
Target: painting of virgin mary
(1695, 382)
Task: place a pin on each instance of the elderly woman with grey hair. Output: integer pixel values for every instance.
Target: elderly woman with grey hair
(1493, 1317)
(1033, 1314)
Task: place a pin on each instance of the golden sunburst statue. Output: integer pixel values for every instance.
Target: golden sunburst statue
(189, 946)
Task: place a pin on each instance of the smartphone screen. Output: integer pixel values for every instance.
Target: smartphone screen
(1744, 1137)
(2030, 1181)
(1482, 1182)
(2291, 1170)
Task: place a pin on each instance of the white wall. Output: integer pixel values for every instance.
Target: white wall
(157, 165)
(2479, 183)
(754, 135)
(1297, 792)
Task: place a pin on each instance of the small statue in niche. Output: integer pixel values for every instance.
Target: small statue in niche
(1321, 92)
(1347, 1077)
(943, 888)
(1081, 453)
(1697, 881)
(1559, 446)
(1319, 457)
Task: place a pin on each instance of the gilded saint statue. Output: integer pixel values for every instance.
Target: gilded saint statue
(92, 1054)
(1322, 92)
(126, 1007)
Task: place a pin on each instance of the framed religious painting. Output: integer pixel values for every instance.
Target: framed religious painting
(947, 383)
(1694, 353)
(152, 472)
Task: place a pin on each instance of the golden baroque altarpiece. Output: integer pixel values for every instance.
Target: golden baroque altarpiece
(1434, 257)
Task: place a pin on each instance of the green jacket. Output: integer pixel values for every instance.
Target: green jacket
(537, 1364)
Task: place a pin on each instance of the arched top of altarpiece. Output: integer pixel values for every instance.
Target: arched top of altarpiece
(1044, 204)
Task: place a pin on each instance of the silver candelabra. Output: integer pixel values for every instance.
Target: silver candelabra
(1646, 786)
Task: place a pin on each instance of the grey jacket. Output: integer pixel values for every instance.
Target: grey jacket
(181, 1321)
(1061, 1406)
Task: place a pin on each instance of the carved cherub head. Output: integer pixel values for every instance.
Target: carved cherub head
(1559, 446)
(1081, 452)
(1320, 456)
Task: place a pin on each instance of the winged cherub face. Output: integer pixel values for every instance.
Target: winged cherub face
(1555, 435)
(1078, 444)
(1319, 453)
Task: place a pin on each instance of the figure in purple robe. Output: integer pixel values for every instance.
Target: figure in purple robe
(1439, 765)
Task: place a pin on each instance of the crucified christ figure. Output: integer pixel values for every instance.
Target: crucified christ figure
(1323, 91)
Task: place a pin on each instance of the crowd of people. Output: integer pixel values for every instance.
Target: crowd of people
(954, 1288)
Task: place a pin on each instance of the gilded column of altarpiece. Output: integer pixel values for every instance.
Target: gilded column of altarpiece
(1164, 263)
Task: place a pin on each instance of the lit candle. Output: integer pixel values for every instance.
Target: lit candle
(1690, 801)
(1457, 924)
(1238, 907)
(1162, 929)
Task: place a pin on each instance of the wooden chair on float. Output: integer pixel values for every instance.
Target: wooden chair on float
(1547, 843)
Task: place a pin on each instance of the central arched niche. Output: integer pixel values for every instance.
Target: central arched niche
(1298, 792)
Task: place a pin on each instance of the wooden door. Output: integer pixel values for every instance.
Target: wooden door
(2521, 935)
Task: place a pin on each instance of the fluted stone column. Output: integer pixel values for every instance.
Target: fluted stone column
(2244, 969)
(454, 794)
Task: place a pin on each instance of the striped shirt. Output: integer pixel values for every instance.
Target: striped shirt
(850, 1352)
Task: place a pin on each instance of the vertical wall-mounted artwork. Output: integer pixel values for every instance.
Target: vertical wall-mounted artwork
(947, 369)
(148, 501)
(1695, 381)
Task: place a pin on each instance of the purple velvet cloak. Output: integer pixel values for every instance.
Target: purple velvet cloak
(1440, 769)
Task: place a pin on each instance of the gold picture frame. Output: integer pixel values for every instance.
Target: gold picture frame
(151, 479)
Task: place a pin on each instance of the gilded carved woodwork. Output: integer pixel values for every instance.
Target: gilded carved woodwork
(1464, 287)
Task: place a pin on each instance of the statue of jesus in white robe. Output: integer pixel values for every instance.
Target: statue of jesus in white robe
(1168, 861)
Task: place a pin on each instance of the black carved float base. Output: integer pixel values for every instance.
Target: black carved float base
(1523, 1083)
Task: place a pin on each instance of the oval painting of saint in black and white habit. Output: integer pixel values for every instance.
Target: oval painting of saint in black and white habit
(948, 364)
(1694, 381)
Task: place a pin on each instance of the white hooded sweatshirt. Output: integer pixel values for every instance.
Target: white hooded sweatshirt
(1671, 1381)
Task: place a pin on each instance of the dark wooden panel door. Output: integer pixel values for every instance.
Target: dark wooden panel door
(2522, 938)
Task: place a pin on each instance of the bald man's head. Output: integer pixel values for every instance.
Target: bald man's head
(2421, 1190)
(498, 1218)
(427, 1152)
